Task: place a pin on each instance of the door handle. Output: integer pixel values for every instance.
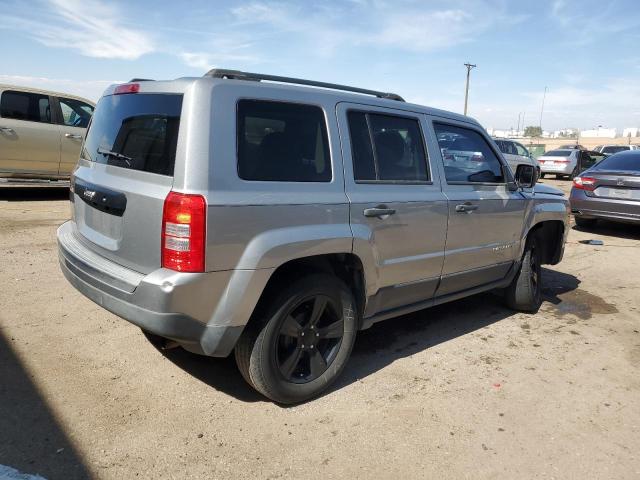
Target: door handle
(379, 211)
(73, 135)
(7, 129)
(466, 207)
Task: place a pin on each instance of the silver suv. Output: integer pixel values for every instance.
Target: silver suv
(245, 213)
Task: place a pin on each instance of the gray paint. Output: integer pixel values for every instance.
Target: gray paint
(425, 253)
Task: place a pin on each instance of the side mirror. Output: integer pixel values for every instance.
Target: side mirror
(526, 176)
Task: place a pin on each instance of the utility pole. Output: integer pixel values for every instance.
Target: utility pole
(544, 95)
(466, 91)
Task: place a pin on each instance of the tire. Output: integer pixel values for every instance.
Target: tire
(585, 222)
(290, 353)
(559, 176)
(542, 175)
(525, 291)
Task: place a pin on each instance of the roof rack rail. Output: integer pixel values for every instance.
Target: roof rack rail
(238, 75)
(141, 80)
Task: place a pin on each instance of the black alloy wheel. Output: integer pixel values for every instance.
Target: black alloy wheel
(309, 339)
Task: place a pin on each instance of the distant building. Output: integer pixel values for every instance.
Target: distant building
(631, 132)
(599, 133)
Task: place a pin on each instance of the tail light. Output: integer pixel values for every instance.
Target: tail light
(563, 160)
(184, 232)
(126, 88)
(584, 183)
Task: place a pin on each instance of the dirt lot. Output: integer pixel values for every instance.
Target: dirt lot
(465, 390)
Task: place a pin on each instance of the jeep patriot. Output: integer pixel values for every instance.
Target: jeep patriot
(274, 218)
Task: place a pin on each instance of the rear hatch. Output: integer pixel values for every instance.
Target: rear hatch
(124, 175)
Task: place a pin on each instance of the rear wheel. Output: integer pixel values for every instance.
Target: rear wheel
(542, 174)
(302, 342)
(525, 291)
(559, 176)
(585, 222)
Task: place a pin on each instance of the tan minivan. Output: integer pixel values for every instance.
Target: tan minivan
(40, 132)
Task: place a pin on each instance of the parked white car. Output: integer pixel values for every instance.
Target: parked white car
(611, 149)
(564, 163)
(515, 154)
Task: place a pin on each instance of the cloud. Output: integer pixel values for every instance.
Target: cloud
(586, 21)
(404, 25)
(207, 61)
(91, 27)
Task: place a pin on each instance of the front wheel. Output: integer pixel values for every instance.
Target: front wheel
(525, 291)
(302, 342)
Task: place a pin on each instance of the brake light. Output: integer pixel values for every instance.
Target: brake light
(584, 183)
(184, 232)
(127, 88)
(562, 160)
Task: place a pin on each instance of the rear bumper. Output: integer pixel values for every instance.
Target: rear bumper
(560, 169)
(204, 312)
(584, 206)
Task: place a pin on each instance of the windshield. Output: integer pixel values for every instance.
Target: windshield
(614, 149)
(137, 131)
(558, 153)
(626, 162)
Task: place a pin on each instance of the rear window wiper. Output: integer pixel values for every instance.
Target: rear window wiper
(119, 156)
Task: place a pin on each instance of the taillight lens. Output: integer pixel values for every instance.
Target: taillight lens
(127, 88)
(184, 232)
(584, 183)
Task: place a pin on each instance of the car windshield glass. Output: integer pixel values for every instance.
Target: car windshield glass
(615, 149)
(624, 162)
(137, 131)
(558, 153)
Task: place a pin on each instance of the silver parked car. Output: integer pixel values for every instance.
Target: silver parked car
(610, 190)
(229, 213)
(516, 154)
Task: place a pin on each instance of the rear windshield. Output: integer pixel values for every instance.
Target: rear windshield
(137, 131)
(615, 149)
(628, 162)
(558, 153)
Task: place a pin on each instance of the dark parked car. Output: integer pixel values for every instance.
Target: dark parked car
(609, 190)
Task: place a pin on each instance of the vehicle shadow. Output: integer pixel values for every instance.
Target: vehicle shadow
(388, 341)
(32, 193)
(31, 438)
(612, 229)
(384, 342)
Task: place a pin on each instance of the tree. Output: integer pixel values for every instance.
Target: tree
(532, 131)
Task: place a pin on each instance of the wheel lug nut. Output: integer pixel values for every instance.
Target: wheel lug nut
(317, 334)
(302, 334)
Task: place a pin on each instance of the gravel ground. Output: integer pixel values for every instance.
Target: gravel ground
(464, 390)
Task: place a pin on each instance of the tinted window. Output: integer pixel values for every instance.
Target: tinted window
(467, 155)
(32, 107)
(283, 142)
(629, 162)
(614, 149)
(387, 148)
(75, 113)
(137, 131)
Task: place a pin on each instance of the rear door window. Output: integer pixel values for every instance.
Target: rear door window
(282, 142)
(136, 131)
(32, 107)
(387, 148)
(75, 113)
(467, 156)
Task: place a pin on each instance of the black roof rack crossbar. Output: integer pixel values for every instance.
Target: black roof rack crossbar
(238, 75)
(141, 80)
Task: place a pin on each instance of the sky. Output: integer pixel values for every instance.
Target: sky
(584, 51)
